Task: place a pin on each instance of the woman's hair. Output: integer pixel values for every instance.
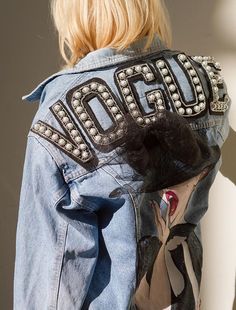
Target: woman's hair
(87, 25)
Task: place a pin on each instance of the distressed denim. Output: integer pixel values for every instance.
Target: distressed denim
(87, 238)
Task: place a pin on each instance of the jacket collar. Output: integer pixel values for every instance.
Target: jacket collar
(101, 58)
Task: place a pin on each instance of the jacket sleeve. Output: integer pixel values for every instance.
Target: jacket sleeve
(56, 238)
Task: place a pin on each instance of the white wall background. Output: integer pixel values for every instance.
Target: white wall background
(209, 28)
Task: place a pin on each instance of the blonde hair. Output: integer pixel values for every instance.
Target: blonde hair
(87, 25)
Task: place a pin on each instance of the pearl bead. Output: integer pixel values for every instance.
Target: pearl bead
(195, 80)
(85, 155)
(153, 119)
(75, 103)
(88, 124)
(79, 109)
(199, 89)
(65, 120)
(196, 108)
(69, 126)
(168, 79)
(101, 88)
(78, 139)
(69, 146)
(120, 132)
(201, 97)
(182, 57)
(177, 103)
(55, 137)
(164, 71)
(129, 98)
(175, 96)
(122, 75)
(62, 142)
(187, 64)
(119, 117)
(83, 116)
(157, 95)
(114, 109)
(42, 129)
(94, 86)
(129, 71)
(150, 76)
(161, 108)
(77, 95)
(61, 113)
(124, 83)
(97, 138)
(216, 89)
(135, 113)
(202, 105)
(189, 111)
(209, 68)
(126, 91)
(138, 69)
(217, 65)
(159, 101)
(105, 140)
(132, 106)
(192, 72)
(160, 64)
(83, 146)
(57, 107)
(212, 74)
(76, 152)
(36, 126)
(85, 90)
(48, 133)
(110, 102)
(105, 95)
(74, 133)
(145, 69)
(93, 131)
(140, 120)
(151, 97)
(181, 111)
(112, 136)
(147, 120)
(172, 87)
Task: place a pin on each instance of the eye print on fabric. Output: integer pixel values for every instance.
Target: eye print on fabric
(171, 271)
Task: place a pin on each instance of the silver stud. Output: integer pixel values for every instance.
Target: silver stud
(94, 86)
(55, 137)
(168, 79)
(178, 104)
(122, 75)
(175, 96)
(77, 95)
(181, 111)
(129, 71)
(172, 87)
(85, 89)
(189, 111)
(101, 88)
(69, 126)
(129, 98)
(110, 102)
(74, 133)
(62, 142)
(126, 91)
(61, 113)
(79, 109)
(69, 147)
(76, 152)
(65, 120)
(42, 129)
(37, 126)
(196, 108)
(83, 116)
(57, 108)
(161, 64)
(88, 124)
(93, 131)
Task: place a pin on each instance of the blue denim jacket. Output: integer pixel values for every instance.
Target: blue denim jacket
(87, 237)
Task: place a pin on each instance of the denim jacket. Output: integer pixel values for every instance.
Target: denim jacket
(87, 237)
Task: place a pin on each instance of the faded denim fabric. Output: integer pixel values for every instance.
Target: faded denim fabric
(87, 237)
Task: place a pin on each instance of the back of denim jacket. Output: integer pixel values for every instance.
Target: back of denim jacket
(88, 237)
